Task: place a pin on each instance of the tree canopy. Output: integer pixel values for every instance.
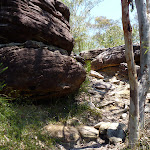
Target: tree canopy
(94, 32)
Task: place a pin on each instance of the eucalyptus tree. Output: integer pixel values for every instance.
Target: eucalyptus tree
(138, 90)
(134, 95)
(108, 32)
(143, 11)
(79, 21)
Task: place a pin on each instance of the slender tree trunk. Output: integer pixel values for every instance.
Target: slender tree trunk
(144, 54)
(134, 95)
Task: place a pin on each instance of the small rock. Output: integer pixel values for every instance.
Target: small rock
(103, 86)
(123, 116)
(123, 92)
(148, 96)
(117, 100)
(93, 92)
(114, 80)
(88, 132)
(125, 106)
(114, 140)
(96, 74)
(147, 108)
(106, 79)
(93, 107)
(128, 86)
(113, 93)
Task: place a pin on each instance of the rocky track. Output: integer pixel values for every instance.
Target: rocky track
(110, 95)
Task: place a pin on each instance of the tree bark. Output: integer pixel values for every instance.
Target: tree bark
(134, 94)
(144, 32)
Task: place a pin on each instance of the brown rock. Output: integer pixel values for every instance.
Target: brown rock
(123, 70)
(40, 20)
(41, 71)
(113, 57)
(64, 133)
(91, 54)
(110, 71)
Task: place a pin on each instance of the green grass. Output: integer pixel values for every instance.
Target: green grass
(22, 122)
(88, 66)
(20, 125)
(22, 119)
(85, 85)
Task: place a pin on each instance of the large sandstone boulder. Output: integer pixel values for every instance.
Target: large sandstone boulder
(91, 54)
(41, 70)
(113, 57)
(41, 20)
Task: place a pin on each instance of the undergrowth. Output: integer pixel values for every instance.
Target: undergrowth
(22, 119)
(22, 122)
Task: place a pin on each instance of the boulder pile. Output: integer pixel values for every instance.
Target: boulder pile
(35, 45)
(113, 57)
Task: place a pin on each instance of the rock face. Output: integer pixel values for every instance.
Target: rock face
(91, 54)
(113, 57)
(35, 42)
(41, 71)
(41, 20)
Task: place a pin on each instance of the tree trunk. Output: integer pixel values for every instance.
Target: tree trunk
(134, 95)
(144, 54)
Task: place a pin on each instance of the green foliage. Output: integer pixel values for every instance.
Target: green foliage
(102, 23)
(88, 66)
(108, 32)
(2, 69)
(22, 123)
(79, 22)
(85, 85)
(88, 35)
